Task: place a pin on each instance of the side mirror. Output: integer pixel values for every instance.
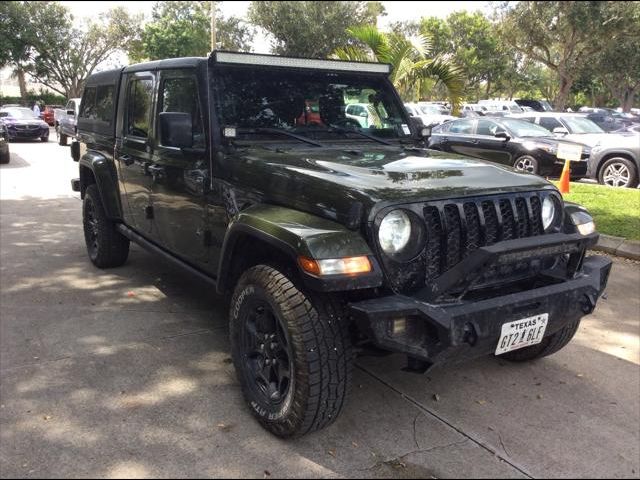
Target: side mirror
(503, 135)
(71, 113)
(561, 131)
(176, 129)
(418, 129)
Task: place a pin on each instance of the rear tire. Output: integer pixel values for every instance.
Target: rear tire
(548, 346)
(106, 246)
(4, 159)
(309, 343)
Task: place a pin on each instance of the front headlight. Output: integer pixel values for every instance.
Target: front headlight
(549, 212)
(539, 146)
(394, 232)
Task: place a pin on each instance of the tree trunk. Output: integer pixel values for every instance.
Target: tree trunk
(22, 83)
(626, 99)
(563, 94)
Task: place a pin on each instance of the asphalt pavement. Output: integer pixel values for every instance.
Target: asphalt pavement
(126, 373)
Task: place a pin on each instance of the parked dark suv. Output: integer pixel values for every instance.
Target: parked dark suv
(329, 237)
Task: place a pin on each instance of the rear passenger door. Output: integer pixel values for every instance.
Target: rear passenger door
(134, 150)
(461, 138)
(180, 177)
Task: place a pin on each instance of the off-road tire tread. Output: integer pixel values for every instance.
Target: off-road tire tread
(548, 346)
(318, 328)
(113, 247)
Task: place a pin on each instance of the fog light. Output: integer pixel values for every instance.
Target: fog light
(586, 228)
(398, 326)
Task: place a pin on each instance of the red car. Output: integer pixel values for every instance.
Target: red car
(47, 114)
(311, 114)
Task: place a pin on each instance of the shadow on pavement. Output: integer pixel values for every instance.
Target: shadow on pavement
(126, 372)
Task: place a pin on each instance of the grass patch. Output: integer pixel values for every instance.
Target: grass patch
(616, 211)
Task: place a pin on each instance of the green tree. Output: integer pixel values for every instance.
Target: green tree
(311, 29)
(183, 29)
(562, 35)
(43, 43)
(27, 28)
(413, 72)
(65, 65)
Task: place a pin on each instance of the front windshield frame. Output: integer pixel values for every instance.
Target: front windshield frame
(523, 128)
(395, 126)
(21, 114)
(581, 125)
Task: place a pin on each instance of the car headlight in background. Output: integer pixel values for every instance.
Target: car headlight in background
(539, 146)
(394, 232)
(549, 212)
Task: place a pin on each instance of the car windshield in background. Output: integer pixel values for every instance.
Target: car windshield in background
(581, 125)
(20, 113)
(314, 104)
(522, 128)
(429, 110)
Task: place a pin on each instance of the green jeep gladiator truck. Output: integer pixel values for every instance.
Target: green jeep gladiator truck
(329, 237)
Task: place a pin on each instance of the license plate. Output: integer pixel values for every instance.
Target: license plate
(522, 333)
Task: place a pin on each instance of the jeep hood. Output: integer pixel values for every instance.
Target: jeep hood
(331, 182)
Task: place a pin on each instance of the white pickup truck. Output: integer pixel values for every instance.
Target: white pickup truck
(65, 120)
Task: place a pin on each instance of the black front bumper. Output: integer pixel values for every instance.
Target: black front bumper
(440, 332)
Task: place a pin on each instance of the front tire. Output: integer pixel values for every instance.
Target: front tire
(618, 172)
(548, 346)
(106, 246)
(527, 163)
(292, 353)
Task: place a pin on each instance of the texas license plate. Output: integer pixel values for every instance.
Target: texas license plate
(522, 333)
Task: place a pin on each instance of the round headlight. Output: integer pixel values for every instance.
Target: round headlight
(394, 232)
(548, 212)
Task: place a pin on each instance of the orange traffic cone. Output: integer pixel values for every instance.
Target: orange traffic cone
(564, 177)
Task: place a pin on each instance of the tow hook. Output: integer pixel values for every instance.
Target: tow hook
(588, 303)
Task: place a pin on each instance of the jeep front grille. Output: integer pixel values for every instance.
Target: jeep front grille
(455, 228)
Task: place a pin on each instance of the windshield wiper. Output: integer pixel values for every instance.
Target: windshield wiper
(280, 132)
(366, 135)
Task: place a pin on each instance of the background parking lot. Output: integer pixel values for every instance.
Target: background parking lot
(126, 372)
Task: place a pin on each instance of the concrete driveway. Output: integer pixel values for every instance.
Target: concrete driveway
(126, 373)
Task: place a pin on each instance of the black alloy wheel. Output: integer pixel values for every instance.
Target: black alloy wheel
(266, 354)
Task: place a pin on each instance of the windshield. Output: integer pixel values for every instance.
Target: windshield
(522, 128)
(581, 125)
(20, 113)
(429, 110)
(314, 103)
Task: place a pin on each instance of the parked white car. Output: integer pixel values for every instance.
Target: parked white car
(572, 126)
(430, 114)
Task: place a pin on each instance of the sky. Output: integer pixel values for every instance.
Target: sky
(396, 11)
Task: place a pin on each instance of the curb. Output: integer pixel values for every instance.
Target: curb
(618, 246)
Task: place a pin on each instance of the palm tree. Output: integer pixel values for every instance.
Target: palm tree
(413, 73)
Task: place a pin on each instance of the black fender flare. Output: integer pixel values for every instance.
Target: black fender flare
(294, 234)
(104, 175)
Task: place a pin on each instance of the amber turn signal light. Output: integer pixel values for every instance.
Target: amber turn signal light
(335, 266)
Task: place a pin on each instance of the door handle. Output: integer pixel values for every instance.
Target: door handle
(127, 159)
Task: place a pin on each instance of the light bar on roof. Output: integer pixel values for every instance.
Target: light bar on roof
(276, 61)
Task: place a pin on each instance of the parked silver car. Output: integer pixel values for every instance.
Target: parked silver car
(616, 163)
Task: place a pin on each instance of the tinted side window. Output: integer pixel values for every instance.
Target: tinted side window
(463, 126)
(104, 103)
(138, 107)
(549, 123)
(486, 127)
(181, 95)
(88, 104)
